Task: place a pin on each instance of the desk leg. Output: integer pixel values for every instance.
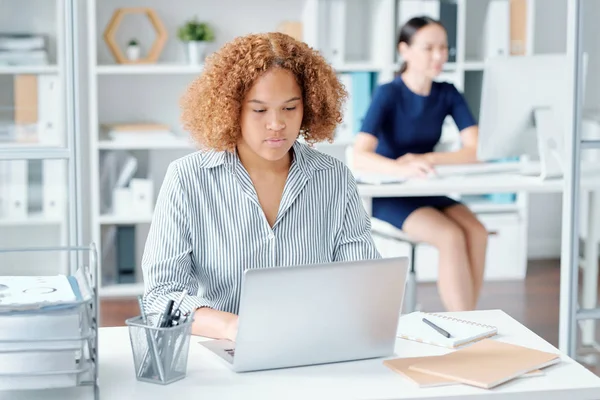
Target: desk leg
(590, 272)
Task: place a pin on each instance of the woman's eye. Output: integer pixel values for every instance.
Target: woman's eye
(259, 111)
(290, 108)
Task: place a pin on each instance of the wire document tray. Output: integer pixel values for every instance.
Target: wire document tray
(57, 346)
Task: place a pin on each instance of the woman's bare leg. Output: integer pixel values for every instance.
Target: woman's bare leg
(455, 282)
(476, 236)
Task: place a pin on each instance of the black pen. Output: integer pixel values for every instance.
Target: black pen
(166, 317)
(437, 328)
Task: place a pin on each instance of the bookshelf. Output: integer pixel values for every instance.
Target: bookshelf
(39, 169)
(360, 40)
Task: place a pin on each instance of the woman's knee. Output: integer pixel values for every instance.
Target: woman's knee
(450, 236)
(477, 232)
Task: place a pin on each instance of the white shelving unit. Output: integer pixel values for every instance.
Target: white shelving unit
(40, 227)
(363, 40)
(33, 69)
(140, 69)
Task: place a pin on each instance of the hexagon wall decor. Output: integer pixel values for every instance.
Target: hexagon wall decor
(113, 26)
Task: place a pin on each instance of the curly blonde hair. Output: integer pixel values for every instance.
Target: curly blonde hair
(211, 105)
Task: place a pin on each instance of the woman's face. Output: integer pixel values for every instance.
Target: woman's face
(272, 112)
(428, 50)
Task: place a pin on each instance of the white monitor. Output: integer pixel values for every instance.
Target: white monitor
(523, 104)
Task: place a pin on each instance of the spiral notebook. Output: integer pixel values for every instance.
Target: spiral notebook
(412, 327)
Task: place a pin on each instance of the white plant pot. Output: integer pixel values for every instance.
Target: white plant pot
(133, 53)
(196, 52)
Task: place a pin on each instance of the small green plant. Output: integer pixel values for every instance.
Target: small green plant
(133, 42)
(195, 31)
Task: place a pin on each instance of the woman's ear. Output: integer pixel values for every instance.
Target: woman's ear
(403, 49)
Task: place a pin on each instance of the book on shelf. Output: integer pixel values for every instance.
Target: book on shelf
(22, 42)
(23, 58)
(23, 49)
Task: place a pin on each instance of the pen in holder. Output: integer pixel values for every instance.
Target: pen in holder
(160, 354)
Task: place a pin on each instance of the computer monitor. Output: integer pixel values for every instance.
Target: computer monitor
(523, 104)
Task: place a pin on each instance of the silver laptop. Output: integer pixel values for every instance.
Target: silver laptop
(316, 314)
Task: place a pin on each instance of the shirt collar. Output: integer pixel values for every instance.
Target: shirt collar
(306, 158)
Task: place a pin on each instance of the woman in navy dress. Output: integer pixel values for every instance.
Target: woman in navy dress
(398, 136)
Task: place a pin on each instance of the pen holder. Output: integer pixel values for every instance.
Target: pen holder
(160, 355)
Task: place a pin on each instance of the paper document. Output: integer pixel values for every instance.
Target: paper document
(378, 179)
(34, 292)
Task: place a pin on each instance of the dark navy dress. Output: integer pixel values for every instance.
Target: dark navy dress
(405, 122)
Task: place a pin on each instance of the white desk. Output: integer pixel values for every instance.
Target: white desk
(474, 184)
(513, 182)
(209, 378)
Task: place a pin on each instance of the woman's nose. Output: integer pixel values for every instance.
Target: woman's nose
(276, 123)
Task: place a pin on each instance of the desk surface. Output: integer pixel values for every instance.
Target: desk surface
(476, 184)
(209, 378)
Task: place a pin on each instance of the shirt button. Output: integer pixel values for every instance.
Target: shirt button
(271, 236)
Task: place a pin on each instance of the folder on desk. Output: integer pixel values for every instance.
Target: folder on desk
(402, 367)
(486, 364)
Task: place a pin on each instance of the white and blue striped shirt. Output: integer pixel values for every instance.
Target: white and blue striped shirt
(208, 226)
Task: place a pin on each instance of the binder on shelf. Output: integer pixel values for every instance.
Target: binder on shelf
(17, 185)
(496, 35)
(4, 188)
(142, 196)
(336, 32)
(362, 88)
(126, 254)
(518, 27)
(449, 19)
(25, 108)
(50, 113)
(54, 181)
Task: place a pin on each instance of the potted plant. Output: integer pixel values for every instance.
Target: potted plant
(196, 35)
(133, 50)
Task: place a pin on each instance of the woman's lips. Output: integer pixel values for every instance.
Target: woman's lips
(275, 142)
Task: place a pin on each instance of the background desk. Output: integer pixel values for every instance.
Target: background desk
(209, 378)
(511, 182)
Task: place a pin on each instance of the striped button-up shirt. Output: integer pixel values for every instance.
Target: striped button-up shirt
(208, 226)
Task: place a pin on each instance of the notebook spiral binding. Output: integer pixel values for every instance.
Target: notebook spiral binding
(463, 321)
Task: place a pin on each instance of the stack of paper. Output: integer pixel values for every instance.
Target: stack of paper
(138, 132)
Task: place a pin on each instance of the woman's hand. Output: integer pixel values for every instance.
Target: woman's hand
(415, 157)
(414, 165)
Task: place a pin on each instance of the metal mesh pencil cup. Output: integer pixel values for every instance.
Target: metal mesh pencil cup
(160, 355)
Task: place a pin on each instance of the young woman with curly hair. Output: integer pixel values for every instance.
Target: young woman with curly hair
(253, 197)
